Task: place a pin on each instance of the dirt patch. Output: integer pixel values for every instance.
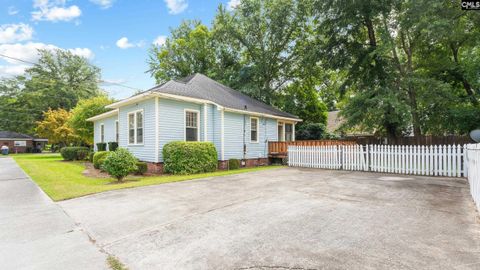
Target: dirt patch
(90, 171)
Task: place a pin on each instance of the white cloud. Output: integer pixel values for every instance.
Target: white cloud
(29, 52)
(12, 10)
(123, 43)
(176, 6)
(15, 32)
(103, 3)
(232, 4)
(160, 40)
(83, 52)
(11, 71)
(54, 10)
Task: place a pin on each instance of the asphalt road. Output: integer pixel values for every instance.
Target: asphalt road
(35, 233)
(288, 219)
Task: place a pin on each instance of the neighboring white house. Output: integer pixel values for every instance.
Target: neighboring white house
(195, 108)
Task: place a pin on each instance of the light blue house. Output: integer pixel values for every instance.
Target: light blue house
(195, 108)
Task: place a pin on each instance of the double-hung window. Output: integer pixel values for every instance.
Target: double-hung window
(288, 132)
(102, 133)
(191, 125)
(253, 129)
(135, 127)
(280, 132)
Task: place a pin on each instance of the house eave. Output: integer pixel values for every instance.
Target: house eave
(130, 100)
(103, 115)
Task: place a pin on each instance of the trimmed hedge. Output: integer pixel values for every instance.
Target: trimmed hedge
(233, 164)
(99, 158)
(141, 168)
(189, 157)
(82, 154)
(74, 153)
(112, 146)
(101, 146)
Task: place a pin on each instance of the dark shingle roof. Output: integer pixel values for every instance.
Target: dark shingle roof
(11, 135)
(201, 87)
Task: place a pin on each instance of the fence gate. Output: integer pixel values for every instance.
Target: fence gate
(443, 160)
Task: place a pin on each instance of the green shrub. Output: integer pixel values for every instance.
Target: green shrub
(142, 168)
(99, 158)
(120, 163)
(112, 146)
(189, 157)
(74, 153)
(82, 154)
(101, 146)
(233, 164)
(90, 156)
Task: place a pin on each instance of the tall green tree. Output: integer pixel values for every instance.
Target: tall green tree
(268, 34)
(188, 50)
(403, 57)
(59, 80)
(85, 109)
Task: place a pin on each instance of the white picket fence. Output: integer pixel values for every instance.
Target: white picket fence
(473, 165)
(443, 160)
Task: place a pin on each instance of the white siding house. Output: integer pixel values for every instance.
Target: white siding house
(197, 109)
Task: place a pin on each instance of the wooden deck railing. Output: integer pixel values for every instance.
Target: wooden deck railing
(279, 149)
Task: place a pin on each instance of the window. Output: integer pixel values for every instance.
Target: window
(131, 128)
(102, 133)
(139, 125)
(288, 132)
(280, 132)
(254, 129)
(135, 127)
(191, 126)
(116, 131)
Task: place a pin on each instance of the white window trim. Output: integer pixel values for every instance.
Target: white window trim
(293, 130)
(117, 131)
(283, 129)
(102, 134)
(185, 123)
(135, 128)
(258, 130)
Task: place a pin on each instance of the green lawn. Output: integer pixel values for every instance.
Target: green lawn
(63, 180)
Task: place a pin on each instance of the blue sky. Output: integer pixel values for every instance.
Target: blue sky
(114, 35)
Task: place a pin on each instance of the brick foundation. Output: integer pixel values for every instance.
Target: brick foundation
(223, 165)
(254, 162)
(157, 168)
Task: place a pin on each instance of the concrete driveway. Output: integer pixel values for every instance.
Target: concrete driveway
(288, 218)
(35, 233)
